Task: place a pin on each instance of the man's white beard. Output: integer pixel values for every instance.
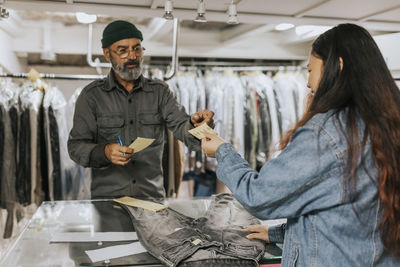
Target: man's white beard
(128, 74)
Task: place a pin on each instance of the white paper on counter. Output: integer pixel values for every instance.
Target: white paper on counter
(93, 236)
(115, 251)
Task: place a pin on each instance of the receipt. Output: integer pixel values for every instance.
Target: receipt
(141, 143)
(113, 252)
(204, 128)
(92, 236)
(138, 203)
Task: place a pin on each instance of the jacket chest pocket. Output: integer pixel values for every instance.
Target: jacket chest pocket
(150, 126)
(109, 128)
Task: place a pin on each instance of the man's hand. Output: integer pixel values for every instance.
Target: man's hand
(117, 154)
(258, 232)
(203, 116)
(210, 144)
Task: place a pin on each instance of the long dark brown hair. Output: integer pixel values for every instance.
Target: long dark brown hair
(364, 87)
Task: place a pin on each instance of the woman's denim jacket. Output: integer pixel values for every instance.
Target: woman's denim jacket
(304, 184)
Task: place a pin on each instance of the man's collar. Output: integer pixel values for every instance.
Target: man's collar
(140, 83)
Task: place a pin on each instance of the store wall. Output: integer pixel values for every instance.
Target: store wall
(389, 45)
(8, 60)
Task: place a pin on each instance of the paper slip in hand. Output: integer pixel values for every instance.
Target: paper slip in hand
(204, 128)
(141, 143)
(138, 203)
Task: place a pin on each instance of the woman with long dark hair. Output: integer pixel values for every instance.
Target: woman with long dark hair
(337, 177)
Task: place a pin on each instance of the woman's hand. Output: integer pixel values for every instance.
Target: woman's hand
(210, 144)
(258, 232)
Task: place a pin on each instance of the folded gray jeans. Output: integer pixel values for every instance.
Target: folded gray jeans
(216, 239)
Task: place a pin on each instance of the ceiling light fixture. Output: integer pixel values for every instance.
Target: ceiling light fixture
(232, 14)
(85, 18)
(201, 12)
(310, 31)
(284, 26)
(168, 10)
(4, 14)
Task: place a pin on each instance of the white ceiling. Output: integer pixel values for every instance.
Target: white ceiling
(318, 10)
(254, 37)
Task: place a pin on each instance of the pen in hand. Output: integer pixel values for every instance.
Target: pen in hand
(121, 144)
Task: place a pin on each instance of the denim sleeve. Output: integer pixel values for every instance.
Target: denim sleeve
(303, 178)
(276, 233)
(82, 146)
(178, 121)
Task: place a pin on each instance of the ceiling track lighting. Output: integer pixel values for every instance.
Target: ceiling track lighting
(232, 14)
(4, 14)
(168, 10)
(284, 26)
(201, 12)
(85, 18)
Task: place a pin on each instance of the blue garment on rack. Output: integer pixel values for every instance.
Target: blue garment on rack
(204, 183)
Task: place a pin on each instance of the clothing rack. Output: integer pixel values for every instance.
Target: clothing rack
(213, 66)
(55, 76)
(260, 68)
(234, 67)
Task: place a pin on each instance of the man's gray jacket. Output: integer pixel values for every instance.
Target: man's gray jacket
(103, 111)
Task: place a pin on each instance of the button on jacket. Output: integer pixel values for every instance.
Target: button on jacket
(105, 110)
(304, 184)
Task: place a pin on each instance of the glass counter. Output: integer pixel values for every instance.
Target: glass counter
(33, 247)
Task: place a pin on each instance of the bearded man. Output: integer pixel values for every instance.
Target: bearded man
(116, 110)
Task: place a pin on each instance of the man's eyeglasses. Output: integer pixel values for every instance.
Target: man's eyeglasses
(124, 52)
